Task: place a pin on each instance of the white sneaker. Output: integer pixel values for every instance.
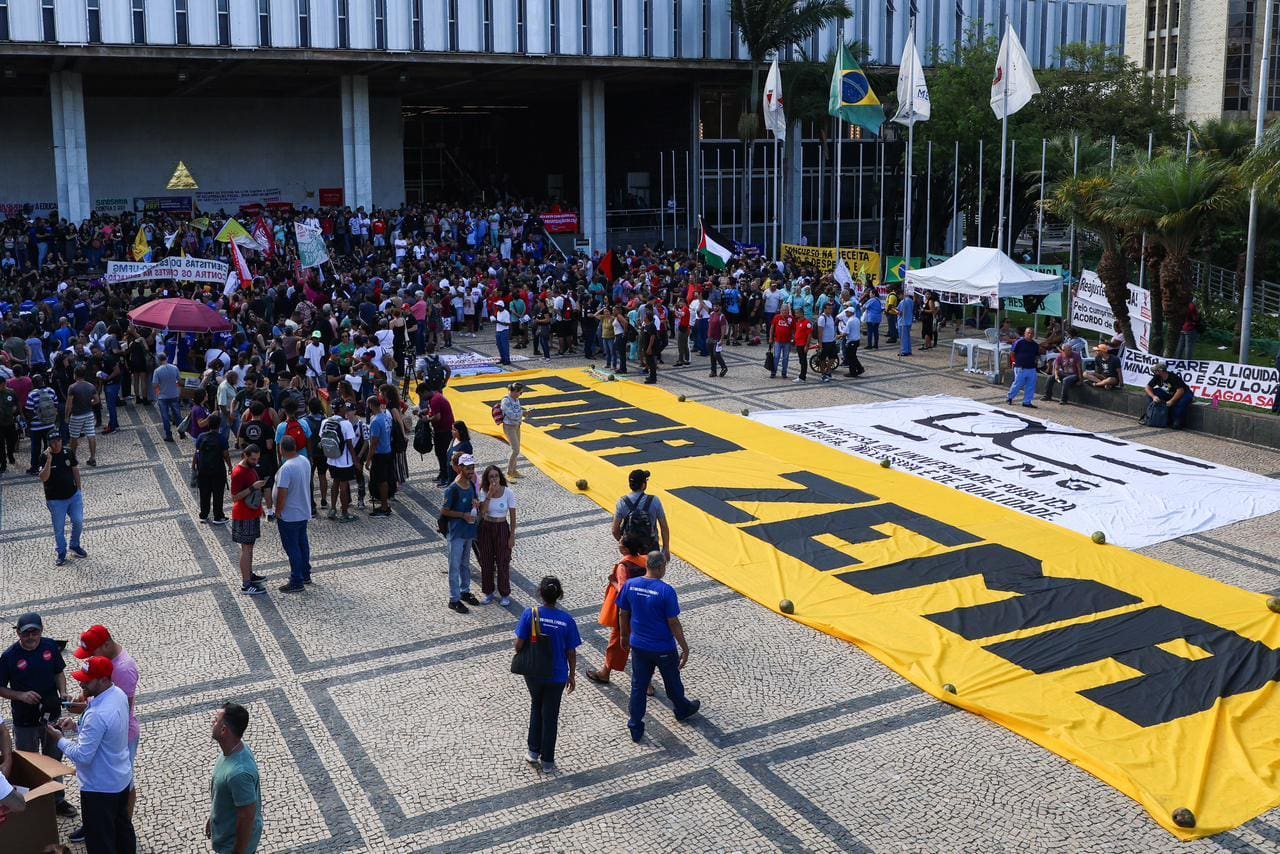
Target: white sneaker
(504, 601)
(532, 758)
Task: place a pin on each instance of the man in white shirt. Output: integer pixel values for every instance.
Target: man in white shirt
(342, 468)
(700, 312)
(314, 355)
(851, 331)
(101, 756)
(503, 332)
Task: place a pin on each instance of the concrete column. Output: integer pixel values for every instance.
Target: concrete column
(793, 193)
(591, 217)
(70, 148)
(357, 154)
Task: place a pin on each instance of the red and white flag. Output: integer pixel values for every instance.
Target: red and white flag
(241, 267)
(264, 238)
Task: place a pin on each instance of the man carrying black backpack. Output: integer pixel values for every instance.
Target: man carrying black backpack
(641, 515)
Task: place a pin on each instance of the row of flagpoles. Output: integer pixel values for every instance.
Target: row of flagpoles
(853, 101)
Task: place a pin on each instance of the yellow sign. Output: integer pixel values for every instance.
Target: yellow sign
(862, 262)
(182, 179)
(1157, 680)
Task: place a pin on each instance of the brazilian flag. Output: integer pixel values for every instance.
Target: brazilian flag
(851, 97)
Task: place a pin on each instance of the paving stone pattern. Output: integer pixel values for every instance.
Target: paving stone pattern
(384, 722)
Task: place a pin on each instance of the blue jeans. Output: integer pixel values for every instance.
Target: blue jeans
(293, 536)
(781, 359)
(700, 327)
(59, 510)
(643, 663)
(544, 717)
(459, 567)
(609, 354)
(170, 414)
(1024, 380)
(904, 330)
(1178, 411)
(504, 346)
(113, 399)
(872, 331)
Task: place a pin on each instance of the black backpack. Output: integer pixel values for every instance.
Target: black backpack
(435, 375)
(422, 437)
(638, 522)
(399, 444)
(314, 451)
(210, 454)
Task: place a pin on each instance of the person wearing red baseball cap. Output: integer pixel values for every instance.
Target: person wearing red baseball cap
(96, 640)
(101, 756)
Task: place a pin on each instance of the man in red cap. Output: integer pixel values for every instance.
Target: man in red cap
(101, 757)
(96, 640)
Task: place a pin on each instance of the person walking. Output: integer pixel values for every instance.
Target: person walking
(872, 313)
(246, 516)
(9, 413)
(97, 640)
(459, 507)
(440, 413)
(1023, 358)
(781, 334)
(82, 399)
(41, 409)
(60, 475)
(649, 621)
(101, 756)
(684, 321)
(164, 379)
(717, 332)
(558, 628)
(234, 825)
(851, 331)
(512, 420)
(632, 565)
(33, 680)
(293, 512)
(213, 463)
(641, 515)
(906, 316)
(497, 536)
(502, 332)
(380, 458)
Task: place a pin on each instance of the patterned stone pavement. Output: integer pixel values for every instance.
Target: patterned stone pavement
(384, 722)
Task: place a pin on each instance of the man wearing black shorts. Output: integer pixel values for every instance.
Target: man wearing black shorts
(380, 459)
(342, 468)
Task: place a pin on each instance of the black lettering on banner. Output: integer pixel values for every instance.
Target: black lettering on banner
(1042, 599)
(679, 443)
(1170, 686)
(796, 537)
(573, 425)
(551, 407)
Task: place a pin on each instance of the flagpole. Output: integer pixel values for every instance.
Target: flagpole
(719, 179)
(733, 194)
(688, 199)
(1044, 152)
(1013, 161)
(822, 172)
(861, 146)
(955, 200)
(981, 193)
(1004, 130)
(777, 193)
(662, 199)
(675, 209)
(839, 176)
(748, 164)
(928, 198)
(911, 136)
(1142, 249)
(880, 169)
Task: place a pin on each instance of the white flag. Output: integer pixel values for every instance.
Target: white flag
(775, 119)
(913, 94)
(842, 275)
(1014, 84)
(311, 248)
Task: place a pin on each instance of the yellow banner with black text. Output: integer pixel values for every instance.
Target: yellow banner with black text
(861, 262)
(1157, 680)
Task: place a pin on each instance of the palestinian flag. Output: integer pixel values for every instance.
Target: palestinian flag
(714, 247)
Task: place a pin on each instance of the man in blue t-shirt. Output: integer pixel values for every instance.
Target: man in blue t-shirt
(649, 624)
(459, 506)
(1023, 358)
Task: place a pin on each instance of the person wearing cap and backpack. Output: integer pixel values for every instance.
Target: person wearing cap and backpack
(641, 515)
(337, 443)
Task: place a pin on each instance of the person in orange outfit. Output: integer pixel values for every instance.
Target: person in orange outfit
(631, 566)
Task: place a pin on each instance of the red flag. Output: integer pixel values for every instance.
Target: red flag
(242, 268)
(264, 238)
(609, 266)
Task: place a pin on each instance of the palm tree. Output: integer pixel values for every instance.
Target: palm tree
(1086, 200)
(1263, 163)
(1172, 199)
(1228, 140)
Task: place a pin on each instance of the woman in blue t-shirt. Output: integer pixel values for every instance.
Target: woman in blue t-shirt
(559, 629)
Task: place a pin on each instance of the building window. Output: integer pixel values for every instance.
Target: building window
(224, 23)
(139, 21)
(617, 27)
(379, 24)
(677, 28)
(586, 27)
(453, 24)
(417, 24)
(1239, 56)
(706, 29)
(94, 9)
(304, 23)
(344, 30)
(553, 30)
(487, 20)
(50, 23)
(522, 35)
(264, 23)
(4, 20)
(647, 26)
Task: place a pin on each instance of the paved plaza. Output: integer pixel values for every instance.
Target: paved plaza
(384, 722)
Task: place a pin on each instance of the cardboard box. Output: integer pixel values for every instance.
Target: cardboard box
(36, 827)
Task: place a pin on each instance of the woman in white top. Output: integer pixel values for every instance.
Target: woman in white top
(497, 537)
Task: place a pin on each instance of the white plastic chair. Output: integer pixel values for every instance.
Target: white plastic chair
(992, 335)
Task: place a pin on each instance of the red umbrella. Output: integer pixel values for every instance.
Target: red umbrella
(179, 315)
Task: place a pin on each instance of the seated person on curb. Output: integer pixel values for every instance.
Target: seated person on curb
(1170, 389)
(1106, 369)
(1066, 369)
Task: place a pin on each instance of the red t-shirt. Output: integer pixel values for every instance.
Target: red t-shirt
(243, 477)
(783, 329)
(803, 330)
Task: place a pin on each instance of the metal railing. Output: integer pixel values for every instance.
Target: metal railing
(1222, 285)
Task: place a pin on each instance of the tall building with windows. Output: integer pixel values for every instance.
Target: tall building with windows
(1215, 46)
(617, 107)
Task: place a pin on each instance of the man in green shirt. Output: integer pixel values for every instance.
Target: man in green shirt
(235, 816)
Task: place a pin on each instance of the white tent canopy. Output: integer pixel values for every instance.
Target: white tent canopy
(983, 272)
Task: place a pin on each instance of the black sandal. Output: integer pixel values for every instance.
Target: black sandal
(596, 677)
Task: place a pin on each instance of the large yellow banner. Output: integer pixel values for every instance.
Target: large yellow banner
(1157, 680)
(861, 262)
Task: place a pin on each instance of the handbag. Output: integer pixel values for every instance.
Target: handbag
(1157, 414)
(768, 361)
(185, 424)
(254, 499)
(496, 412)
(534, 659)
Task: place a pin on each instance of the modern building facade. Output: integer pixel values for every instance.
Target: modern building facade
(614, 106)
(1215, 46)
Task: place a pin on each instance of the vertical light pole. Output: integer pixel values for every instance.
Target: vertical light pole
(1251, 245)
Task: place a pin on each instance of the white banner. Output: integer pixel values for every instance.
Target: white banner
(179, 269)
(1252, 385)
(1090, 309)
(469, 364)
(311, 248)
(1136, 495)
(230, 200)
